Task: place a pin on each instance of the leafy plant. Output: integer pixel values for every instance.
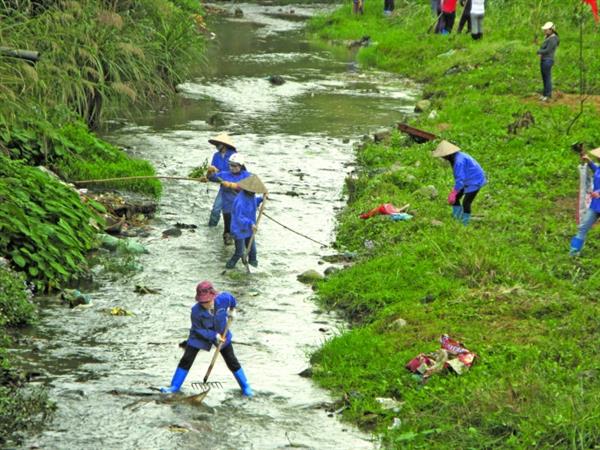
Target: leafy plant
(16, 308)
(46, 229)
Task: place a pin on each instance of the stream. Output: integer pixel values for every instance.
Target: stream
(298, 137)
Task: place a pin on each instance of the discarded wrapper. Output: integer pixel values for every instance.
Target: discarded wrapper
(451, 345)
(400, 216)
(452, 355)
(385, 208)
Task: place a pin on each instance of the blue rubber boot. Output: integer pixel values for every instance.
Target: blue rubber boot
(240, 376)
(176, 382)
(465, 218)
(576, 246)
(457, 212)
(213, 221)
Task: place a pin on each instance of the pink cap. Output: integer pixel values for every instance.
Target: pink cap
(205, 292)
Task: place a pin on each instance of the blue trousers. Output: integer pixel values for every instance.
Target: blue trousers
(215, 213)
(240, 247)
(546, 68)
(586, 223)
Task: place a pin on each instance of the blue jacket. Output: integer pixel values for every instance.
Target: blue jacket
(595, 205)
(243, 214)
(227, 194)
(220, 161)
(206, 325)
(468, 174)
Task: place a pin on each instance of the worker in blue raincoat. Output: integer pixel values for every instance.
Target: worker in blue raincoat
(469, 178)
(209, 318)
(228, 179)
(220, 162)
(243, 220)
(593, 212)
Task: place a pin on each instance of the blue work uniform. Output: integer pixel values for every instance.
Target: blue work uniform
(221, 161)
(243, 214)
(468, 174)
(206, 324)
(595, 204)
(227, 194)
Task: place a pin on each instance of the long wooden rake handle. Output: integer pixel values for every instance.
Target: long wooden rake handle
(217, 350)
(249, 246)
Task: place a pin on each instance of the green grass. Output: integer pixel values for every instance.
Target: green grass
(20, 409)
(504, 285)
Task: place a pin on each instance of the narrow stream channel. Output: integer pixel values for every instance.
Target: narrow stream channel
(298, 138)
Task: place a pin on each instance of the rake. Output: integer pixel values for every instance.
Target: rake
(249, 246)
(205, 385)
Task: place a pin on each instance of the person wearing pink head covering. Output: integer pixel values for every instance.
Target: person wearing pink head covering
(209, 318)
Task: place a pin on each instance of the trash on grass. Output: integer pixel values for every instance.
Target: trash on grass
(389, 403)
(452, 355)
(385, 208)
(400, 216)
(396, 423)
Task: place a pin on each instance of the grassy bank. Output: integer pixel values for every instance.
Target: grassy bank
(97, 60)
(505, 284)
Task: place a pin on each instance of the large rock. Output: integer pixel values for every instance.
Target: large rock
(382, 136)
(397, 324)
(331, 270)
(217, 120)
(422, 106)
(310, 277)
(171, 232)
(429, 192)
(276, 80)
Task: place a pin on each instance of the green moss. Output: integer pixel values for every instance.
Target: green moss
(505, 285)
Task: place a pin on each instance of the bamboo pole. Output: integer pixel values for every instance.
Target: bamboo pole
(142, 177)
(29, 55)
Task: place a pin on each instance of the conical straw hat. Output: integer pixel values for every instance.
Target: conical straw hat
(222, 138)
(253, 184)
(596, 152)
(445, 148)
(548, 26)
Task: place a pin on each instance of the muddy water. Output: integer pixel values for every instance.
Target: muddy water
(298, 137)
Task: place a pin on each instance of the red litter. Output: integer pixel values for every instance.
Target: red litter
(385, 208)
(452, 355)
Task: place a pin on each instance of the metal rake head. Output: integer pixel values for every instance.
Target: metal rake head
(206, 386)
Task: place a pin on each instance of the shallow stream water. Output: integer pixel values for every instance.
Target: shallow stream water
(298, 138)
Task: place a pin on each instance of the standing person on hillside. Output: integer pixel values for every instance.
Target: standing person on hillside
(209, 317)
(448, 15)
(436, 7)
(220, 160)
(243, 220)
(228, 190)
(477, 13)
(465, 17)
(388, 7)
(469, 178)
(593, 213)
(546, 52)
(358, 7)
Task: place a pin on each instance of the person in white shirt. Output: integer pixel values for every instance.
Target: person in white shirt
(477, 12)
